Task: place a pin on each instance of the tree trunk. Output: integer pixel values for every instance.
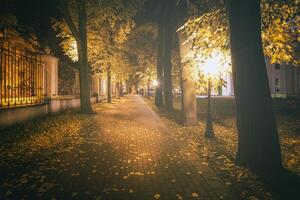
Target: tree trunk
(148, 88)
(169, 31)
(136, 88)
(81, 40)
(181, 90)
(129, 88)
(187, 84)
(82, 59)
(189, 101)
(121, 89)
(168, 94)
(258, 143)
(118, 90)
(158, 91)
(109, 85)
(85, 100)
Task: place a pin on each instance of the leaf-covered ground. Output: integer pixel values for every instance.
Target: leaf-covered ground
(123, 151)
(30, 153)
(220, 153)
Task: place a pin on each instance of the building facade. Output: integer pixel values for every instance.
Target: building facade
(284, 80)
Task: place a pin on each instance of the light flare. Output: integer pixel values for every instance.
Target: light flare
(215, 65)
(155, 83)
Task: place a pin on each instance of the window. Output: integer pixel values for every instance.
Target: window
(277, 66)
(277, 85)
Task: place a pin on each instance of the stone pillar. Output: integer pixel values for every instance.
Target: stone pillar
(96, 85)
(145, 91)
(109, 86)
(103, 86)
(189, 102)
(51, 82)
(77, 83)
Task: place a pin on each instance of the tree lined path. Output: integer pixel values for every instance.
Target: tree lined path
(123, 152)
(154, 161)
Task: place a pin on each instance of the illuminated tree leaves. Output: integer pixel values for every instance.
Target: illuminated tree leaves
(280, 30)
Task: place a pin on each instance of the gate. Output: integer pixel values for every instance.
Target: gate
(22, 77)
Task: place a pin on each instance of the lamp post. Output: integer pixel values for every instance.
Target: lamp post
(209, 131)
(213, 67)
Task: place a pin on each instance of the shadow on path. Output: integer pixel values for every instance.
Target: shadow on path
(284, 186)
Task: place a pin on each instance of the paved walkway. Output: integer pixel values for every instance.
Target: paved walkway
(127, 154)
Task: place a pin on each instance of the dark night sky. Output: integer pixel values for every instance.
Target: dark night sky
(35, 15)
(31, 13)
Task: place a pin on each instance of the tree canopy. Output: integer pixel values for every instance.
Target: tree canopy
(209, 31)
(140, 52)
(108, 24)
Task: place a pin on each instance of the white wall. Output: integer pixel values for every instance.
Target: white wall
(228, 89)
(18, 115)
(12, 116)
(53, 103)
(288, 76)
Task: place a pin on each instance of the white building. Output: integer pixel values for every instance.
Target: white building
(283, 80)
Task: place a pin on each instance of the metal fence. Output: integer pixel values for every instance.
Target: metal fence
(21, 77)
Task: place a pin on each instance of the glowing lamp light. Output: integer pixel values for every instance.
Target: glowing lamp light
(155, 83)
(217, 64)
(211, 66)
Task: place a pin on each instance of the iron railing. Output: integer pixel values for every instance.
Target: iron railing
(21, 77)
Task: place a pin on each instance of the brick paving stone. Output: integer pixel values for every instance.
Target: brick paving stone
(128, 153)
(175, 164)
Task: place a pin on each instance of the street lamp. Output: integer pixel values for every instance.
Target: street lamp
(155, 83)
(213, 68)
(210, 70)
(209, 130)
